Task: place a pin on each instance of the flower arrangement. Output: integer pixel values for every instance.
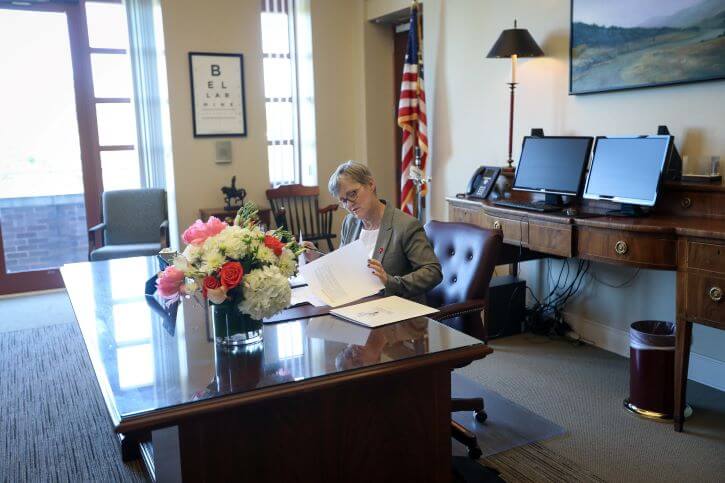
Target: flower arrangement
(238, 265)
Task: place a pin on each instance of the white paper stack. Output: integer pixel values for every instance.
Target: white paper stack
(383, 311)
(342, 276)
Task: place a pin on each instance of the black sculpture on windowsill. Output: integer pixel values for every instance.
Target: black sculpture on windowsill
(231, 193)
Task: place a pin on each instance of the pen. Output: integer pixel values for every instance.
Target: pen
(315, 250)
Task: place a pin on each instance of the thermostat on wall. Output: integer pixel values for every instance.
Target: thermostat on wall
(223, 152)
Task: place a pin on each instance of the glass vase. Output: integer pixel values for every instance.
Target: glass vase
(233, 328)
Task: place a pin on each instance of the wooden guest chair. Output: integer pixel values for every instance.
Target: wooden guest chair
(297, 208)
(468, 255)
(134, 224)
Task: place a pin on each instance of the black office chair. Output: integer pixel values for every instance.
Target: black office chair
(468, 255)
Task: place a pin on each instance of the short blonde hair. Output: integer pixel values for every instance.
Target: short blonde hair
(352, 169)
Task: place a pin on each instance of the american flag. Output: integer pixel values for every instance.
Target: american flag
(411, 113)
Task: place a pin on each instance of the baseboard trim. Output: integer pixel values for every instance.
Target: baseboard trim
(703, 369)
(707, 370)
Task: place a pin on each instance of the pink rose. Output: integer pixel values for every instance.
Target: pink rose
(197, 233)
(217, 295)
(169, 282)
(214, 226)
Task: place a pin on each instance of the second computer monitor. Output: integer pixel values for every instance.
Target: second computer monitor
(553, 165)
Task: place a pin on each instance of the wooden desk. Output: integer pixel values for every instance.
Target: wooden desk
(265, 215)
(302, 406)
(685, 233)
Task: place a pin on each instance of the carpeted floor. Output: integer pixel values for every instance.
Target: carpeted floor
(54, 424)
(581, 388)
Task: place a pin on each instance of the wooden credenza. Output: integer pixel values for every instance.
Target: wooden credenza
(265, 215)
(685, 233)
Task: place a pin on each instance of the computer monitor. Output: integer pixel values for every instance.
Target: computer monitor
(627, 170)
(553, 165)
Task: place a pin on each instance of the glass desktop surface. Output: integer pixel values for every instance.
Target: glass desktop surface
(147, 357)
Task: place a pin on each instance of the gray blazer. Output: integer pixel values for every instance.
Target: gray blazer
(404, 251)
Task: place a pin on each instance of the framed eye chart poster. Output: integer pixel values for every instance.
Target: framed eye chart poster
(217, 94)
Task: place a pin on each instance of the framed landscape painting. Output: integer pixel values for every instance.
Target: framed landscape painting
(625, 44)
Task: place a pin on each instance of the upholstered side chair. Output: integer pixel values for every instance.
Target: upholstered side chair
(135, 223)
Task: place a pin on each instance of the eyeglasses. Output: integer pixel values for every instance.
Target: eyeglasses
(350, 197)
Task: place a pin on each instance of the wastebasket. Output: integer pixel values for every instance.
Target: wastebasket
(652, 369)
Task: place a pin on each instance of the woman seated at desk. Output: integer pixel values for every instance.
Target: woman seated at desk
(400, 254)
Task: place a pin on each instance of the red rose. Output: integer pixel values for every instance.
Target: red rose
(274, 244)
(231, 274)
(210, 282)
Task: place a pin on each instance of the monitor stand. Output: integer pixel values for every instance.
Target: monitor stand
(555, 200)
(629, 211)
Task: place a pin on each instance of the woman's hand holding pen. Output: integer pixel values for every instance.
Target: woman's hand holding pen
(311, 251)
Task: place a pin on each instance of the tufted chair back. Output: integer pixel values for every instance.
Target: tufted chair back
(468, 255)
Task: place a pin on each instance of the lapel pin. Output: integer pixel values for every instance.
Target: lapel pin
(380, 250)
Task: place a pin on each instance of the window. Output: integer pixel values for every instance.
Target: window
(112, 93)
(280, 91)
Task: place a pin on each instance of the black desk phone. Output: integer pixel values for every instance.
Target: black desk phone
(482, 182)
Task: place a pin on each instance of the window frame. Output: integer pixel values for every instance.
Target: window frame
(286, 7)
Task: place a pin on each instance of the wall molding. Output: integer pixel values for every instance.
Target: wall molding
(703, 369)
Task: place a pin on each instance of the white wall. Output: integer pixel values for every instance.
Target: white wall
(231, 26)
(470, 127)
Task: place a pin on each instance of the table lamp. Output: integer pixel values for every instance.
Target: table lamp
(514, 43)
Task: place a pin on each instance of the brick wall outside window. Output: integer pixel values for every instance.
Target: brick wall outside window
(43, 232)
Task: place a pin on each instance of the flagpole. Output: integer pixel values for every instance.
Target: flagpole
(418, 205)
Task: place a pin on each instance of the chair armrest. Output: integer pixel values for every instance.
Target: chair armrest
(456, 310)
(164, 228)
(99, 226)
(328, 208)
(92, 241)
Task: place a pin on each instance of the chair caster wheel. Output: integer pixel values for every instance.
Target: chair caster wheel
(475, 453)
(481, 416)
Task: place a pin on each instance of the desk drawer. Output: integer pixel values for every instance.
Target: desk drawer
(465, 215)
(706, 256)
(552, 238)
(706, 298)
(639, 249)
(514, 231)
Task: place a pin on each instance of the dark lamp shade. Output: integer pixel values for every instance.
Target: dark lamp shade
(515, 42)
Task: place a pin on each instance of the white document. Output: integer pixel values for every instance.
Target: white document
(336, 330)
(297, 281)
(302, 295)
(342, 276)
(383, 311)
